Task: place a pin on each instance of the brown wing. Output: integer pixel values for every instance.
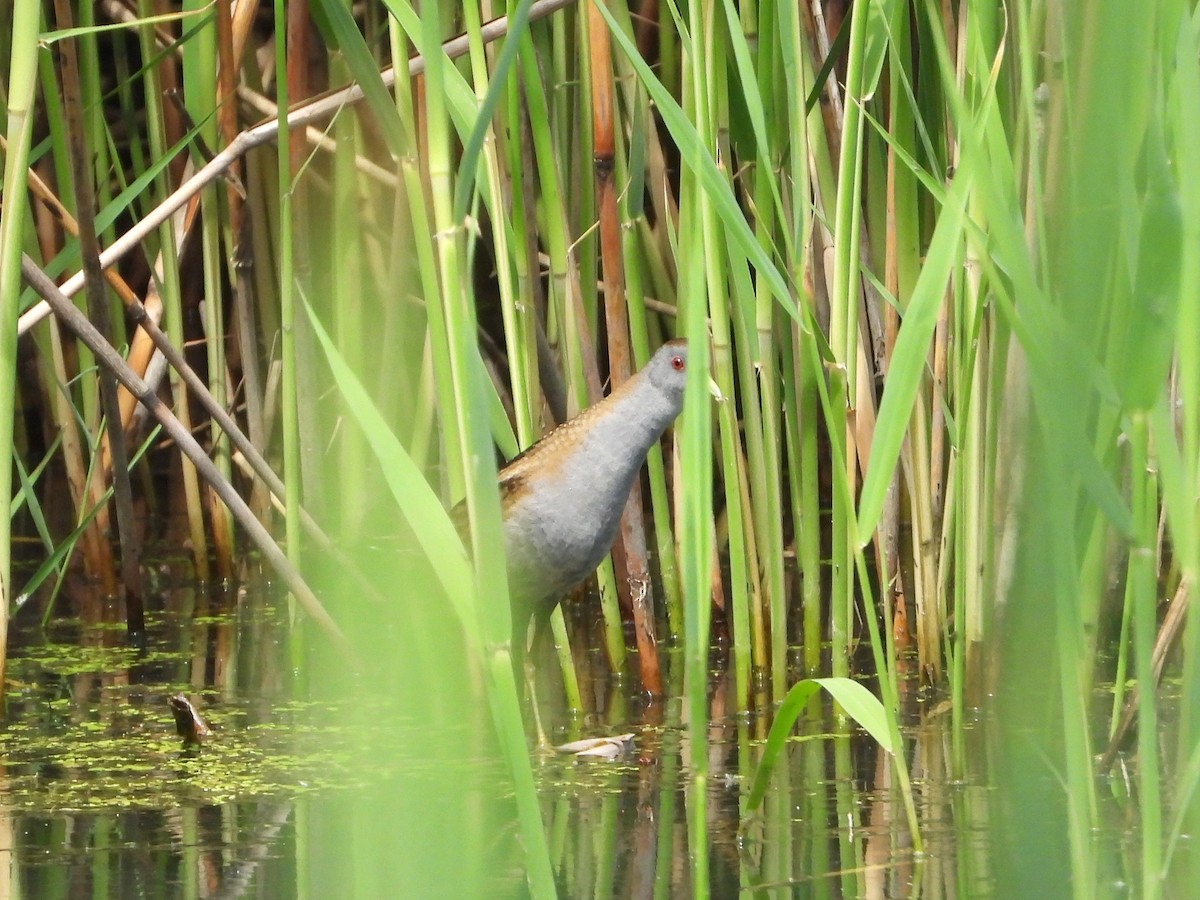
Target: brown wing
(542, 456)
(512, 485)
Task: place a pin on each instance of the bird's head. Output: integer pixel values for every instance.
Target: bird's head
(667, 371)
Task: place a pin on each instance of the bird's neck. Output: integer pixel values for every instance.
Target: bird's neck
(633, 417)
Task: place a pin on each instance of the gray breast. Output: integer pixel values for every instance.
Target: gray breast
(561, 528)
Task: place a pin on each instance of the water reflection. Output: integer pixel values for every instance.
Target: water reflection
(98, 795)
(833, 824)
(100, 799)
(192, 851)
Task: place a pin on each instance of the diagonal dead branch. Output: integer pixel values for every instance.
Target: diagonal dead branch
(108, 357)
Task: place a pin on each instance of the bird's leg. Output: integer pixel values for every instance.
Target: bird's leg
(543, 744)
(520, 636)
(525, 674)
(539, 622)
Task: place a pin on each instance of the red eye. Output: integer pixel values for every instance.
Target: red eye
(678, 363)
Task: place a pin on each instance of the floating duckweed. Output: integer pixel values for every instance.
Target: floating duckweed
(84, 734)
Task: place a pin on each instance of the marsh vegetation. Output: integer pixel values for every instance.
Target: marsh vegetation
(282, 284)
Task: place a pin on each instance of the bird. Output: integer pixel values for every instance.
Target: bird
(561, 500)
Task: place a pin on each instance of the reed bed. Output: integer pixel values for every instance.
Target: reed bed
(942, 264)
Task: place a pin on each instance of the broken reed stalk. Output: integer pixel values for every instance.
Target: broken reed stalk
(108, 358)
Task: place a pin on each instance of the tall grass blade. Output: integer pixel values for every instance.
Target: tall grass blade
(909, 358)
